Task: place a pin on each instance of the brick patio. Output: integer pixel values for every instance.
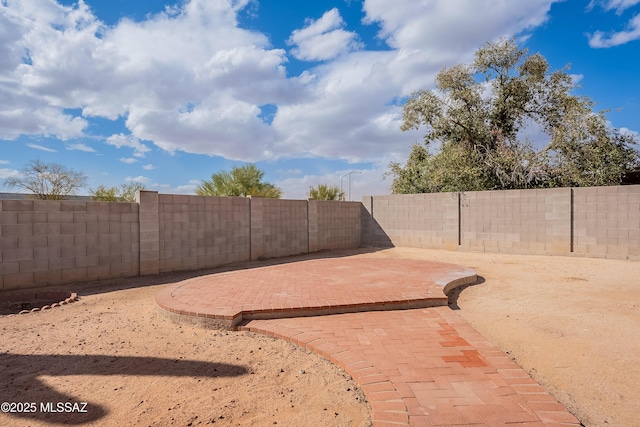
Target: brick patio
(387, 323)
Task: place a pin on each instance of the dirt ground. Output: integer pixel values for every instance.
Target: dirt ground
(572, 323)
(135, 368)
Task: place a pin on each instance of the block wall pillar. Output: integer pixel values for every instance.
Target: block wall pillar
(149, 232)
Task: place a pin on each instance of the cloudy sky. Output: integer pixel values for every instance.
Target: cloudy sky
(167, 92)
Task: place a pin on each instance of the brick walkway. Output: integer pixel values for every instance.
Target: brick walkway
(417, 367)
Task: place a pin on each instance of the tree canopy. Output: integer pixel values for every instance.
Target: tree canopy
(478, 114)
(122, 193)
(48, 181)
(326, 192)
(240, 181)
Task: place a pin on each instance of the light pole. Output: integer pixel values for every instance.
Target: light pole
(349, 175)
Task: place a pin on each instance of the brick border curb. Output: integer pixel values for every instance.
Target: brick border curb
(63, 297)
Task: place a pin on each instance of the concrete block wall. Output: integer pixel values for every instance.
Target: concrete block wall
(334, 225)
(61, 242)
(413, 220)
(56, 242)
(197, 232)
(607, 222)
(593, 222)
(149, 220)
(367, 222)
(517, 221)
(279, 227)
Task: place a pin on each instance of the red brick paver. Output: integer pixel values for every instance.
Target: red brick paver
(417, 367)
(424, 367)
(315, 287)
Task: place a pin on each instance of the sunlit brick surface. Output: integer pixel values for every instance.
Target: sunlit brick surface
(314, 287)
(424, 367)
(417, 366)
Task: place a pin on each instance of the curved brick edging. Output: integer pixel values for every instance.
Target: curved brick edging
(450, 284)
(204, 320)
(310, 288)
(63, 297)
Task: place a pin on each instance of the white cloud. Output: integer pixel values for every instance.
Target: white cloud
(576, 78)
(4, 162)
(183, 189)
(80, 147)
(189, 188)
(220, 124)
(323, 39)
(190, 79)
(23, 114)
(632, 133)
(120, 140)
(289, 171)
(351, 114)
(146, 71)
(42, 148)
(618, 5)
(148, 167)
(601, 39)
(445, 28)
(138, 179)
(27, 36)
(128, 160)
(9, 173)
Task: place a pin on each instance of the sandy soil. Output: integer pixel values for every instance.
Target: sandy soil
(572, 323)
(135, 368)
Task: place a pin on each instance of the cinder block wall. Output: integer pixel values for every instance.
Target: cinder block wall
(60, 242)
(149, 232)
(413, 220)
(334, 225)
(199, 232)
(517, 221)
(594, 222)
(278, 227)
(607, 222)
(55, 242)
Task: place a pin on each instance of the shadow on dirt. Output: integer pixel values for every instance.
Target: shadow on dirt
(22, 387)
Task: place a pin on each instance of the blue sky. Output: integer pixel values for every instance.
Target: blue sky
(168, 92)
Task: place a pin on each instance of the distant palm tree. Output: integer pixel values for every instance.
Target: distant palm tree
(241, 181)
(324, 192)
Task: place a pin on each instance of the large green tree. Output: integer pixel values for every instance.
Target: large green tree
(48, 181)
(477, 116)
(240, 181)
(326, 192)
